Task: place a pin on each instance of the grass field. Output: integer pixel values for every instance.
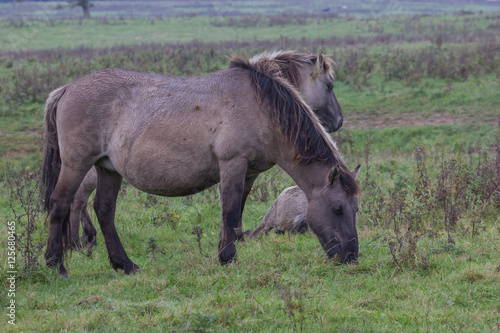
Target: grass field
(173, 8)
(435, 280)
(421, 100)
(105, 32)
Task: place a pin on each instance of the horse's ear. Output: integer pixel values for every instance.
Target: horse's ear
(320, 63)
(356, 170)
(334, 174)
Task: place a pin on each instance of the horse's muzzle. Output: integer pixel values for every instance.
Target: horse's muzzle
(350, 257)
(346, 252)
(338, 125)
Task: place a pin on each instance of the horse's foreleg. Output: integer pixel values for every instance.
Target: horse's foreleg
(232, 186)
(108, 185)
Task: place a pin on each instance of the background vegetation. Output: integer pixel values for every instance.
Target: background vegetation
(420, 95)
(172, 8)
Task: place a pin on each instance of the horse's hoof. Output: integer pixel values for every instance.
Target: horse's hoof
(227, 253)
(226, 261)
(64, 275)
(137, 271)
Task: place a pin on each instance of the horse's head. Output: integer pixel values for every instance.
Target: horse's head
(316, 87)
(332, 214)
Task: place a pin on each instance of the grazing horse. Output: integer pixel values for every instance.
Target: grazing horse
(287, 213)
(175, 136)
(330, 117)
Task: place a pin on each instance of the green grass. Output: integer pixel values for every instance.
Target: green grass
(115, 31)
(279, 281)
(91, 33)
(477, 99)
(404, 139)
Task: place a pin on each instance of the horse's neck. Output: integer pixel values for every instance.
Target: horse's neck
(308, 177)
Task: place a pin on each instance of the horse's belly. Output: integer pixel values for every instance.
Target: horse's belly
(172, 178)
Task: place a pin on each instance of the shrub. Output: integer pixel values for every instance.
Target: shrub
(28, 214)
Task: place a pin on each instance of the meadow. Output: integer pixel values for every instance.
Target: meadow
(421, 100)
(188, 8)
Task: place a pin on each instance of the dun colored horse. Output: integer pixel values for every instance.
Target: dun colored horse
(175, 136)
(330, 117)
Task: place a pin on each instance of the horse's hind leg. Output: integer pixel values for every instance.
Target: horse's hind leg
(108, 185)
(79, 213)
(60, 202)
(246, 191)
(74, 220)
(268, 222)
(88, 186)
(89, 233)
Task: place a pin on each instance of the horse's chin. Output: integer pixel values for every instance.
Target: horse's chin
(328, 127)
(335, 128)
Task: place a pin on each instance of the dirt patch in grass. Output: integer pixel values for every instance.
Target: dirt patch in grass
(362, 119)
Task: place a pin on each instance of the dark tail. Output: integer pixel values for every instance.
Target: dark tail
(51, 156)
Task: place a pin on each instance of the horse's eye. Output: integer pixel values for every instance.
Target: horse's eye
(329, 86)
(337, 211)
